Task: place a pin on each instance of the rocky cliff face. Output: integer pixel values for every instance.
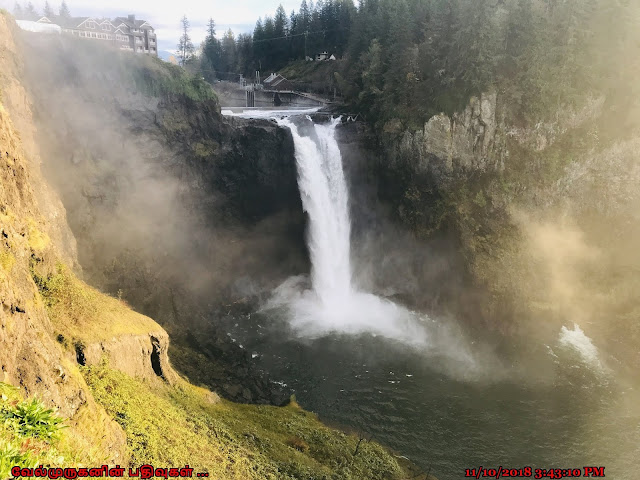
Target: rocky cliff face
(176, 209)
(539, 217)
(35, 237)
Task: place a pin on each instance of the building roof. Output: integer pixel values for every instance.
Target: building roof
(278, 81)
(270, 78)
(274, 80)
(31, 26)
(131, 22)
(76, 22)
(70, 22)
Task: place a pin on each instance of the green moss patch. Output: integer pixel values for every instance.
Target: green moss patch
(179, 425)
(85, 314)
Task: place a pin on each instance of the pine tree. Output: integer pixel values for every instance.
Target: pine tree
(185, 45)
(30, 12)
(244, 54)
(17, 11)
(280, 24)
(64, 11)
(305, 16)
(48, 11)
(228, 53)
(267, 46)
(210, 53)
(259, 44)
(280, 30)
(400, 69)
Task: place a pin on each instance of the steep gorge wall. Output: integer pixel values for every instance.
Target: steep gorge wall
(542, 217)
(176, 209)
(35, 240)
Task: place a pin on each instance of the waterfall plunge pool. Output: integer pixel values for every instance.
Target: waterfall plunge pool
(415, 383)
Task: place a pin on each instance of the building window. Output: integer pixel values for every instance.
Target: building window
(93, 35)
(105, 27)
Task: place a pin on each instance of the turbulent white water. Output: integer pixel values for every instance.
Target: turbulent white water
(323, 190)
(334, 304)
(581, 344)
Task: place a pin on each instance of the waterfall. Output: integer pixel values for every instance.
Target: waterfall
(334, 304)
(325, 198)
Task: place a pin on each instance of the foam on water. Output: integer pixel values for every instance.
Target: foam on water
(576, 340)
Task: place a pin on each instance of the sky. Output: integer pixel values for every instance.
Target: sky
(165, 15)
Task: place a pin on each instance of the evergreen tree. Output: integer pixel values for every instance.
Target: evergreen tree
(244, 53)
(228, 54)
(372, 80)
(185, 45)
(477, 44)
(280, 29)
(48, 11)
(259, 44)
(17, 11)
(305, 16)
(401, 60)
(30, 12)
(280, 23)
(268, 56)
(210, 61)
(64, 11)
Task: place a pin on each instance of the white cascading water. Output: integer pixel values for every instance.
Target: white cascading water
(334, 304)
(325, 198)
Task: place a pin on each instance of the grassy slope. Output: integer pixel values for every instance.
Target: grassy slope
(183, 424)
(179, 425)
(82, 313)
(312, 76)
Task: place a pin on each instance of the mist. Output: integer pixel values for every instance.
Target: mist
(149, 215)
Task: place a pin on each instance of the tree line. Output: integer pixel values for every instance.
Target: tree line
(275, 40)
(410, 59)
(30, 12)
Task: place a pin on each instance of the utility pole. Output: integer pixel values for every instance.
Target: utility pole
(306, 34)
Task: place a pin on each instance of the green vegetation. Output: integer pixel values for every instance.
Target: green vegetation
(160, 79)
(30, 433)
(182, 425)
(316, 77)
(140, 74)
(411, 59)
(84, 314)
